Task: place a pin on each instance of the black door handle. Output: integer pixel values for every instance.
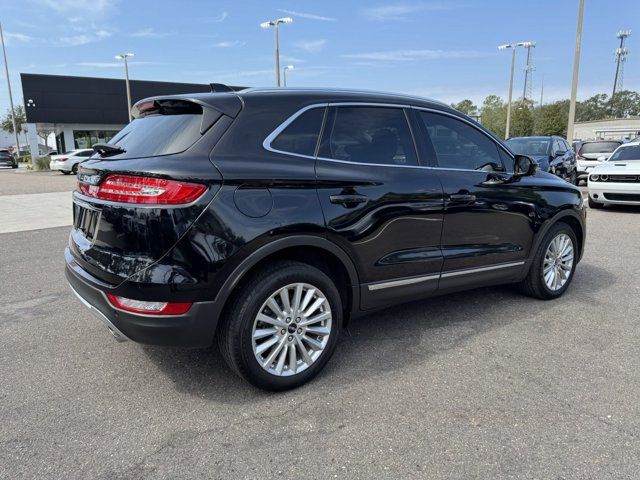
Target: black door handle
(348, 201)
(462, 197)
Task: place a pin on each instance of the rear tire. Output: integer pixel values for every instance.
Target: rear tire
(594, 204)
(65, 172)
(299, 347)
(555, 259)
(74, 169)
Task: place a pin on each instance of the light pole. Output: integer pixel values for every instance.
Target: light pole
(124, 56)
(274, 24)
(576, 69)
(513, 47)
(284, 73)
(13, 112)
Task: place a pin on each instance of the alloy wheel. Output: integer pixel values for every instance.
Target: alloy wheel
(558, 262)
(291, 329)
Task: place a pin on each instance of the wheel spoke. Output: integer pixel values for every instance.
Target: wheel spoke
(275, 308)
(297, 297)
(264, 332)
(282, 358)
(316, 345)
(303, 350)
(314, 306)
(316, 319)
(274, 353)
(284, 296)
(293, 358)
(263, 347)
(318, 330)
(270, 320)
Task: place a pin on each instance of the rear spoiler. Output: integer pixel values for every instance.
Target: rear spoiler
(227, 103)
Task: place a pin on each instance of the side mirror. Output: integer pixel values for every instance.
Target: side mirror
(602, 159)
(524, 166)
(560, 153)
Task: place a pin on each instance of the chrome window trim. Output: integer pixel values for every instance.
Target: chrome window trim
(454, 273)
(266, 144)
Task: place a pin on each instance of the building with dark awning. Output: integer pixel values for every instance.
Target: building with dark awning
(82, 111)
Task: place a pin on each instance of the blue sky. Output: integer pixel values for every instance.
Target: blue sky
(441, 49)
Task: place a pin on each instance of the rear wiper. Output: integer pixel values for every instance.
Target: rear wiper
(105, 149)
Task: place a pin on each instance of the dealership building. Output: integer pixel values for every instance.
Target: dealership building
(611, 129)
(82, 111)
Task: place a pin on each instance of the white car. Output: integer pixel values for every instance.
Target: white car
(68, 162)
(592, 153)
(617, 181)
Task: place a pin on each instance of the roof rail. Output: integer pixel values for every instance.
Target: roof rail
(220, 88)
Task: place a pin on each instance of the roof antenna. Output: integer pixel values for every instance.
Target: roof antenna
(220, 88)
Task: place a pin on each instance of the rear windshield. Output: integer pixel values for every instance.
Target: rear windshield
(599, 147)
(160, 131)
(529, 146)
(626, 153)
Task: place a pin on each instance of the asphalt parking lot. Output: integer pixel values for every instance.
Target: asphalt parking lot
(484, 384)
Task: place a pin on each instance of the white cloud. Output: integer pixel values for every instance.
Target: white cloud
(76, 40)
(148, 33)
(229, 44)
(80, 8)
(311, 46)
(402, 12)
(413, 55)
(310, 16)
(291, 59)
(102, 34)
(221, 17)
(17, 37)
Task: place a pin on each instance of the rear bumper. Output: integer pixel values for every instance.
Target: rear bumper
(195, 328)
(62, 166)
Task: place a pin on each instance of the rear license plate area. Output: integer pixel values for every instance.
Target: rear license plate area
(86, 220)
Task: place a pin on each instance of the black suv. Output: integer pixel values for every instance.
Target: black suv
(268, 218)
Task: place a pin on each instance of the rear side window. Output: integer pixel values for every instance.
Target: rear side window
(161, 130)
(458, 145)
(599, 147)
(301, 135)
(376, 135)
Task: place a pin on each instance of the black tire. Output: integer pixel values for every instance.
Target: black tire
(65, 172)
(14, 166)
(74, 169)
(236, 325)
(534, 285)
(594, 204)
(574, 178)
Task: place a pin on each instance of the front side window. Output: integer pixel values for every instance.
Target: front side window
(301, 135)
(373, 135)
(458, 145)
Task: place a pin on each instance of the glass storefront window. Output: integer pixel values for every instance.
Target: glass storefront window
(88, 138)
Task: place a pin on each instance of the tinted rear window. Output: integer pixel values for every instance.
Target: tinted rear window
(529, 146)
(160, 131)
(599, 147)
(301, 136)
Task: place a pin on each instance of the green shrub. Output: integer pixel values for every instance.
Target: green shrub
(42, 163)
(24, 159)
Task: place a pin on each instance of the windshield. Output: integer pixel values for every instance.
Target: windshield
(599, 147)
(631, 152)
(529, 146)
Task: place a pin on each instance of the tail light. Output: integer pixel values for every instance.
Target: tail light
(143, 190)
(148, 308)
(62, 159)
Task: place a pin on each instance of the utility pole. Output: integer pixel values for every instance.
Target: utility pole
(576, 70)
(13, 112)
(621, 57)
(541, 90)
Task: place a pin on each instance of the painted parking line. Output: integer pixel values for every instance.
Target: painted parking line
(19, 213)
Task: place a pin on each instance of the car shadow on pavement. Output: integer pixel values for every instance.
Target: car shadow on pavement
(382, 342)
(622, 208)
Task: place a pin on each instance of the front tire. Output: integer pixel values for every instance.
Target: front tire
(282, 326)
(74, 169)
(65, 172)
(553, 265)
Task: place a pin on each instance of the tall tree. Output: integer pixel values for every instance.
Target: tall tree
(553, 119)
(494, 115)
(466, 106)
(522, 121)
(21, 119)
(625, 104)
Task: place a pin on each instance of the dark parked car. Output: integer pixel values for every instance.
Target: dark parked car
(266, 219)
(552, 154)
(7, 159)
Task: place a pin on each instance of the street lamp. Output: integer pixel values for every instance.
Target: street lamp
(275, 23)
(513, 47)
(13, 112)
(124, 56)
(284, 73)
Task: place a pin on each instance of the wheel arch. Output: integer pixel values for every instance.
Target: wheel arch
(313, 250)
(572, 219)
